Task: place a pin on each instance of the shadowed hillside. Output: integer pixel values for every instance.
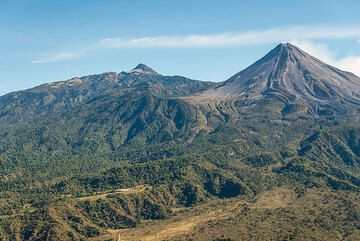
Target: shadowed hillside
(272, 153)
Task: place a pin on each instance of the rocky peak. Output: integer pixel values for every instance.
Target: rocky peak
(291, 74)
(143, 69)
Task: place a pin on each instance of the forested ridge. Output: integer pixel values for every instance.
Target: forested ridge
(84, 157)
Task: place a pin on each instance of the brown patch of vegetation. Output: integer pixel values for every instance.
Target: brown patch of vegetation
(104, 195)
(278, 198)
(278, 214)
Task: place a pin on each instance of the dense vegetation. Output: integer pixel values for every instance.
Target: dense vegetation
(110, 151)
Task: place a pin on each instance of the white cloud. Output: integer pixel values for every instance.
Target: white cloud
(57, 57)
(319, 50)
(272, 35)
(322, 52)
(235, 39)
(350, 63)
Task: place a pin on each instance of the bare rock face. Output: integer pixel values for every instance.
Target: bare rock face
(143, 69)
(290, 74)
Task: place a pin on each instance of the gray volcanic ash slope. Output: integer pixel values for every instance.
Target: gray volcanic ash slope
(289, 74)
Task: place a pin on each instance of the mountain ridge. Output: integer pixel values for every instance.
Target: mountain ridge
(56, 97)
(110, 151)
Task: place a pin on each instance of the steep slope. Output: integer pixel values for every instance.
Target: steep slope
(289, 74)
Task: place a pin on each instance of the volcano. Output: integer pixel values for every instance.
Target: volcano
(290, 74)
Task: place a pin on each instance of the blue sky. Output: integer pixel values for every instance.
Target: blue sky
(44, 41)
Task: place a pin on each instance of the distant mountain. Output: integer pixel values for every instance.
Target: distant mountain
(291, 75)
(54, 98)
